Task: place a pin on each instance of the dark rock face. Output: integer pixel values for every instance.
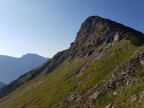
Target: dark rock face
(56, 61)
(94, 32)
(118, 37)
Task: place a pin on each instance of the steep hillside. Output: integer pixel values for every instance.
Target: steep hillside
(103, 68)
(11, 68)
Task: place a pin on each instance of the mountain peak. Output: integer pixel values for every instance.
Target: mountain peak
(31, 54)
(96, 30)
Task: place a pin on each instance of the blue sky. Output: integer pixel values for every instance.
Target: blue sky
(48, 26)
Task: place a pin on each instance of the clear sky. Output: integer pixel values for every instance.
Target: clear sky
(48, 26)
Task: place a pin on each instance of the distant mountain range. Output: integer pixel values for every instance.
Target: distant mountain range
(2, 84)
(11, 67)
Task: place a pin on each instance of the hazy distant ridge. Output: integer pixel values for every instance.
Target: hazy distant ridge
(2, 84)
(11, 67)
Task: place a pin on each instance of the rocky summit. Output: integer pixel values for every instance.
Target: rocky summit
(103, 68)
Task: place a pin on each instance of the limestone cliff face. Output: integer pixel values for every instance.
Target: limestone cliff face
(95, 31)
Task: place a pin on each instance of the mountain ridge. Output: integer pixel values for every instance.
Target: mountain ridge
(17, 66)
(103, 68)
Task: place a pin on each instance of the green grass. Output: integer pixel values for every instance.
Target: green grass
(109, 98)
(51, 91)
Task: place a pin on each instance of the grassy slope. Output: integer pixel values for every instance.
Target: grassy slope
(54, 89)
